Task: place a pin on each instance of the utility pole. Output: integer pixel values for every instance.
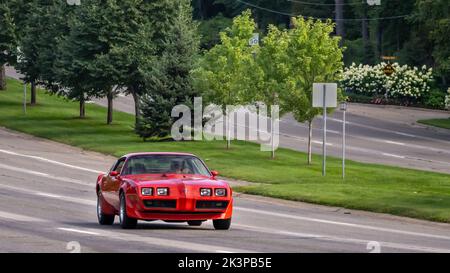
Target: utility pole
(339, 16)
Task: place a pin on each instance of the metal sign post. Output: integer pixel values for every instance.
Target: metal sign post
(324, 137)
(24, 97)
(324, 96)
(343, 107)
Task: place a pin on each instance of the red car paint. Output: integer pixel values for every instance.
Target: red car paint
(183, 188)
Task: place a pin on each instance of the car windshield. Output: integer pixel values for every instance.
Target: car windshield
(165, 164)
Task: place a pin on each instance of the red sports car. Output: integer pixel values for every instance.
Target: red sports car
(173, 187)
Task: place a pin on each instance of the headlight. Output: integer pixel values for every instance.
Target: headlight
(162, 191)
(147, 191)
(205, 192)
(220, 192)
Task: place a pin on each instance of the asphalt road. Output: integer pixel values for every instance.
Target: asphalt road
(47, 204)
(375, 134)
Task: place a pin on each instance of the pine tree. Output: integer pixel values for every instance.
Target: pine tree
(7, 40)
(168, 81)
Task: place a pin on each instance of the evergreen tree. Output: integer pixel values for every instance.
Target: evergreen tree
(168, 81)
(7, 40)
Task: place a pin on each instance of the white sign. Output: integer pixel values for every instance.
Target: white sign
(330, 97)
(374, 2)
(254, 41)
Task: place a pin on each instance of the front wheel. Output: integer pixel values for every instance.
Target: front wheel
(222, 224)
(125, 221)
(103, 219)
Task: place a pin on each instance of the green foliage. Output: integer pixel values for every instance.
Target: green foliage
(222, 73)
(314, 56)
(168, 80)
(434, 99)
(210, 30)
(434, 15)
(8, 40)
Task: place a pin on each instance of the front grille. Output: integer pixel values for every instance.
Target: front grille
(211, 204)
(160, 203)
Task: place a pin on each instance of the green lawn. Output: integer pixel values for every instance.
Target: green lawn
(442, 123)
(367, 186)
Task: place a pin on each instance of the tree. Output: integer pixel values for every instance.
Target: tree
(77, 51)
(222, 72)
(314, 56)
(7, 41)
(272, 88)
(434, 16)
(29, 31)
(168, 80)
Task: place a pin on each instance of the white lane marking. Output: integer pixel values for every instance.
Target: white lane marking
(396, 143)
(393, 155)
(18, 217)
(323, 221)
(78, 231)
(46, 175)
(50, 195)
(320, 142)
(51, 161)
(128, 237)
(344, 239)
(392, 132)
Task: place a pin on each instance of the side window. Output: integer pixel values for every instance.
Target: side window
(119, 165)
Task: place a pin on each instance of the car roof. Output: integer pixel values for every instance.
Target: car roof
(157, 153)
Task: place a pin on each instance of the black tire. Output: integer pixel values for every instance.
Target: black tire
(125, 221)
(195, 223)
(222, 224)
(103, 219)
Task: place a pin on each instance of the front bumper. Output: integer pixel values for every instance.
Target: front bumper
(181, 209)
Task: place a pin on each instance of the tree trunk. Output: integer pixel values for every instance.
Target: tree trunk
(82, 107)
(339, 10)
(136, 105)
(310, 142)
(2, 77)
(228, 132)
(109, 117)
(380, 40)
(33, 92)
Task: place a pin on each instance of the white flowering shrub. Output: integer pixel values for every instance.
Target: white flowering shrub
(363, 79)
(410, 83)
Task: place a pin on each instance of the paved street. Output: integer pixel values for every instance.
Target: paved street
(47, 204)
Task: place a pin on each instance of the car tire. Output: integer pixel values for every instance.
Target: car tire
(103, 219)
(125, 221)
(195, 223)
(222, 224)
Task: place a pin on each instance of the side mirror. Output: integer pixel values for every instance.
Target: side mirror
(214, 173)
(113, 174)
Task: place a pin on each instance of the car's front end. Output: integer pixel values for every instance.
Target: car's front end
(180, 199)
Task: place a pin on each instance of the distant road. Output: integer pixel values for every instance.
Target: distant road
(48, 204)
(375, 134)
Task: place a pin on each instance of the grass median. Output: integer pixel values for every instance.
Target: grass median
(441, 123)
(378, 188)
